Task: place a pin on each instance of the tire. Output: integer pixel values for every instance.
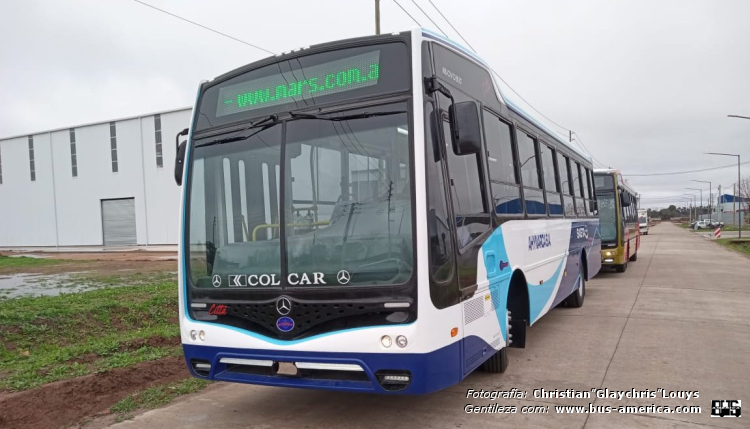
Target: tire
(621, 268)
(498, 362)
(634, 257)
(575, 299)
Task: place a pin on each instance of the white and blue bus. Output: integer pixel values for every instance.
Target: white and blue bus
(373, 215)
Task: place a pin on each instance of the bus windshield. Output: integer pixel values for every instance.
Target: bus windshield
(322, 201)
(607, 217)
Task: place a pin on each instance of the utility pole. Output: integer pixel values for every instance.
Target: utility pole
(701, 206)
(570, 136)
(377, 16)
(710, 188)
(721, 201)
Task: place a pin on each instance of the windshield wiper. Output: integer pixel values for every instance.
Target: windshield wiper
(236, 137)
(298, 115)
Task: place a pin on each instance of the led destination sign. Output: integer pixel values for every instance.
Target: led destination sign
(332, 77)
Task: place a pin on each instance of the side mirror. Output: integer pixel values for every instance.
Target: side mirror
(467, 132)
(594, 205)
(179, 158)
(623, 201)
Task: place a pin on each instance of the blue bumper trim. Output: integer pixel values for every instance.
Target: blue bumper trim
(429, 372)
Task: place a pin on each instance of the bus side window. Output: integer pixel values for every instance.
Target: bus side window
(566, 184)
(589, 193)
(438, 221)
(530, 179)
(469, 210)
(551, 185)
(502, 169)
(583, 205)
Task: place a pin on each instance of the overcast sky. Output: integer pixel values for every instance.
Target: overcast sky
(646, 84)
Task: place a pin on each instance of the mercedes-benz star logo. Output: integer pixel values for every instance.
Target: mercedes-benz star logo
(283, 306)
(216, 280)
(343, 277)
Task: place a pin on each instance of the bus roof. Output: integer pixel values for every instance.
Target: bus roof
(621, 181)
(504, 98)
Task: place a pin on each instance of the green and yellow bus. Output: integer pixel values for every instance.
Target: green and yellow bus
(618, 219)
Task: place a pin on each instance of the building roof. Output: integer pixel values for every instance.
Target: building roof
(96, 123)
(729, 198)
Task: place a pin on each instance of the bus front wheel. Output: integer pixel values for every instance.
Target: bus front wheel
(622, 267)
(498, 362)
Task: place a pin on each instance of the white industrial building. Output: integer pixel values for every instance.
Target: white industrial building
(109, 183)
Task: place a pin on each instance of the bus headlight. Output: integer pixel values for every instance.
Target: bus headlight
(193, 335)
(386, 341)
(202, 335)
(401, 341)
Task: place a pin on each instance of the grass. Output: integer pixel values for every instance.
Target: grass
(155, 397)
(735, 228)
(23, 261)
(724, 228)
(741, 246)
(50, 338)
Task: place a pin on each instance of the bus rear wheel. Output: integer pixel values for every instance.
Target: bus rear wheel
(498, 362)
(575, 299)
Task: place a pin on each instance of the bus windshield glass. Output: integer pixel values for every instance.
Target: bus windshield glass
(333, 190)
(604, 182)
(607, 217)
(306, 81)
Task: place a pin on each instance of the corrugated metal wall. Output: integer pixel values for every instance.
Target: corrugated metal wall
(118, 222)
(60, 209)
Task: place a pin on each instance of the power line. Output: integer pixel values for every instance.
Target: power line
(428, 17)
(525, 101)
(402, 8)
(578, 138)
(686, 194)
(204, 27)
(454, 28)
(493, 70)
(685, 172)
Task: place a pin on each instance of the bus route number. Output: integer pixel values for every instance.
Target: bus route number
(582, 232)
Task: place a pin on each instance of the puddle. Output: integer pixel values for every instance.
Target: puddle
(23, 284)
(27, 256)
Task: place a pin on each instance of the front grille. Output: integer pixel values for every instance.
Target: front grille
(309, 318)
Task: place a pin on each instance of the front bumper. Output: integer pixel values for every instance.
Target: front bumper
(427, 372)
(611, 257)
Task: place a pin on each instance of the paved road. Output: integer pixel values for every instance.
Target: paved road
(678, 320)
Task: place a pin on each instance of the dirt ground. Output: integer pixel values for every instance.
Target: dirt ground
(100, 263)
(68, 402)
